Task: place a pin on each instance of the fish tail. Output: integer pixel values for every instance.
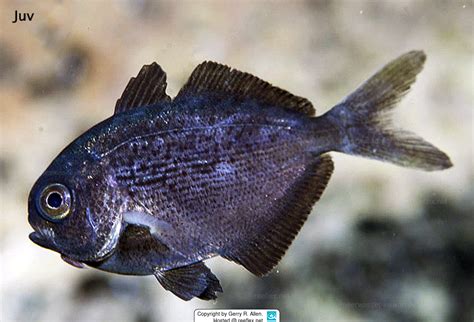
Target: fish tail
(363, 121)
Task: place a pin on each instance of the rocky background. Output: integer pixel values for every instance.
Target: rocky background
(384, 243)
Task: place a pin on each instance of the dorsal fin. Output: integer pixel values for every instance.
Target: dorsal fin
(149, 87)
(212, 77)
(262, 252)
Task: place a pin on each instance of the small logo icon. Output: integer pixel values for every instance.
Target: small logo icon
(271, 316)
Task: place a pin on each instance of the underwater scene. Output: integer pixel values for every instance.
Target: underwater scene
(311, 160)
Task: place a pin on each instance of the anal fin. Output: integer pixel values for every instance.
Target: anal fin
(261, 252)
(187, 282)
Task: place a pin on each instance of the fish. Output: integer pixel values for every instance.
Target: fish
(231, 167)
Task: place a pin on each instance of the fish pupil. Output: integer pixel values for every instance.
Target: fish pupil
(54, 200)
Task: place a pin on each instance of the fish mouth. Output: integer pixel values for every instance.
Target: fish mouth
(45, 238)
(40, 240)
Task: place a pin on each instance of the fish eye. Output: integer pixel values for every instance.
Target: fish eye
(55, 201)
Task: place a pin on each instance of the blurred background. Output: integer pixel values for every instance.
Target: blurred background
(384, 243)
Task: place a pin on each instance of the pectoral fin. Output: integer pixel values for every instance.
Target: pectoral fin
(187, 282)
(160, 229)
(156, 226)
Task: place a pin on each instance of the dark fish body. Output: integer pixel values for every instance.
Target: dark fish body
(231, 167)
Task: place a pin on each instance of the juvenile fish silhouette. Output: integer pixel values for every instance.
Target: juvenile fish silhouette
(230, 167)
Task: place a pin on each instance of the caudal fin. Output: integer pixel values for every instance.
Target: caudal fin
(365, 123)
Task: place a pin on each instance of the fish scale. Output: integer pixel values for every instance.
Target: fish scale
(194, 160)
